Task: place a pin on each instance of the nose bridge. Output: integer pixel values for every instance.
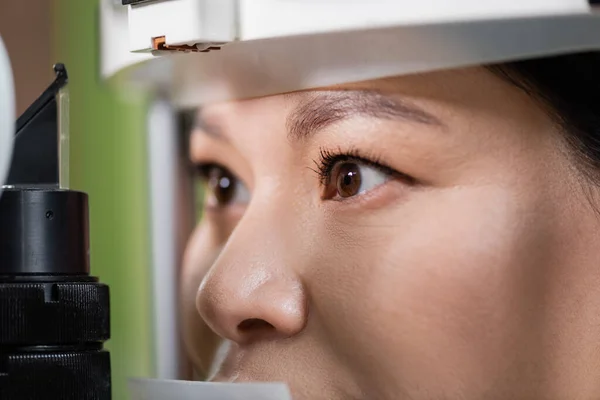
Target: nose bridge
(253, 280)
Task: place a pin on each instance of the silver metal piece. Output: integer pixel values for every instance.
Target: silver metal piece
(171, 221)
(63, 138)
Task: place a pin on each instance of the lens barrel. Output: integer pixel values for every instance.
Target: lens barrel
(54, 316)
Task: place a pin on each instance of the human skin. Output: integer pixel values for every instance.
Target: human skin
(472, 273)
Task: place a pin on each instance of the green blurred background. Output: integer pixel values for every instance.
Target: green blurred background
(108, 150)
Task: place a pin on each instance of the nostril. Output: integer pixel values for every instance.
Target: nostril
(255, 324)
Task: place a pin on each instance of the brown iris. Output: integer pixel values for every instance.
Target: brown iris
(221, 183)
(347, 179)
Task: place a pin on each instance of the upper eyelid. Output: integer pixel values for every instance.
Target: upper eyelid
(349, 157)
(200, 165)
(373, 164)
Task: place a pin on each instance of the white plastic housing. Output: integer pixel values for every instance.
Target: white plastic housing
(7, 113)
(275, 46)
(202, 21)
(114, 40)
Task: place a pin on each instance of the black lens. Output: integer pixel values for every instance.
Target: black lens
(54, 316)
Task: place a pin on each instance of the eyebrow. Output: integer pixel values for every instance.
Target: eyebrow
(314, 112)
(317, 111)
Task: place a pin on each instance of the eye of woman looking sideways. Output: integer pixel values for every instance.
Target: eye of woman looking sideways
(348, 175)
(223, 187)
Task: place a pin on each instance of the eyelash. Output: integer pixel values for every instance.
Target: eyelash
(329, 159)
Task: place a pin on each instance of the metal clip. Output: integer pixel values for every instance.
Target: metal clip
(160, 44)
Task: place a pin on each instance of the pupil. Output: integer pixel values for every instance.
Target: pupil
(349, 180)
(221, 183)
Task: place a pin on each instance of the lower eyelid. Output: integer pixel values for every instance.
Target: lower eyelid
(389, 192)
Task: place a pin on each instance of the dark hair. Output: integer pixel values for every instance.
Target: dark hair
(569, 88)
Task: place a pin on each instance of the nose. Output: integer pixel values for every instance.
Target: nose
(250, 294)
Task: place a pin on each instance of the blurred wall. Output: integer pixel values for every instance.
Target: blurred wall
(25, 27)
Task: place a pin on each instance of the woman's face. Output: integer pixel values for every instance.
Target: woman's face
(418, 237)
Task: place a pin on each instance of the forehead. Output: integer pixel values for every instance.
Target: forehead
(438, 98)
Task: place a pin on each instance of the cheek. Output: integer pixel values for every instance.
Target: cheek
(442, 284)
(199, 340)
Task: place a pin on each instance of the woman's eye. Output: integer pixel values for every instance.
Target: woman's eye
(223, 187)
(352, 178)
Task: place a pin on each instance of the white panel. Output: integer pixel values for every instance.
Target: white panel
(270, 18)
(198, 21)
